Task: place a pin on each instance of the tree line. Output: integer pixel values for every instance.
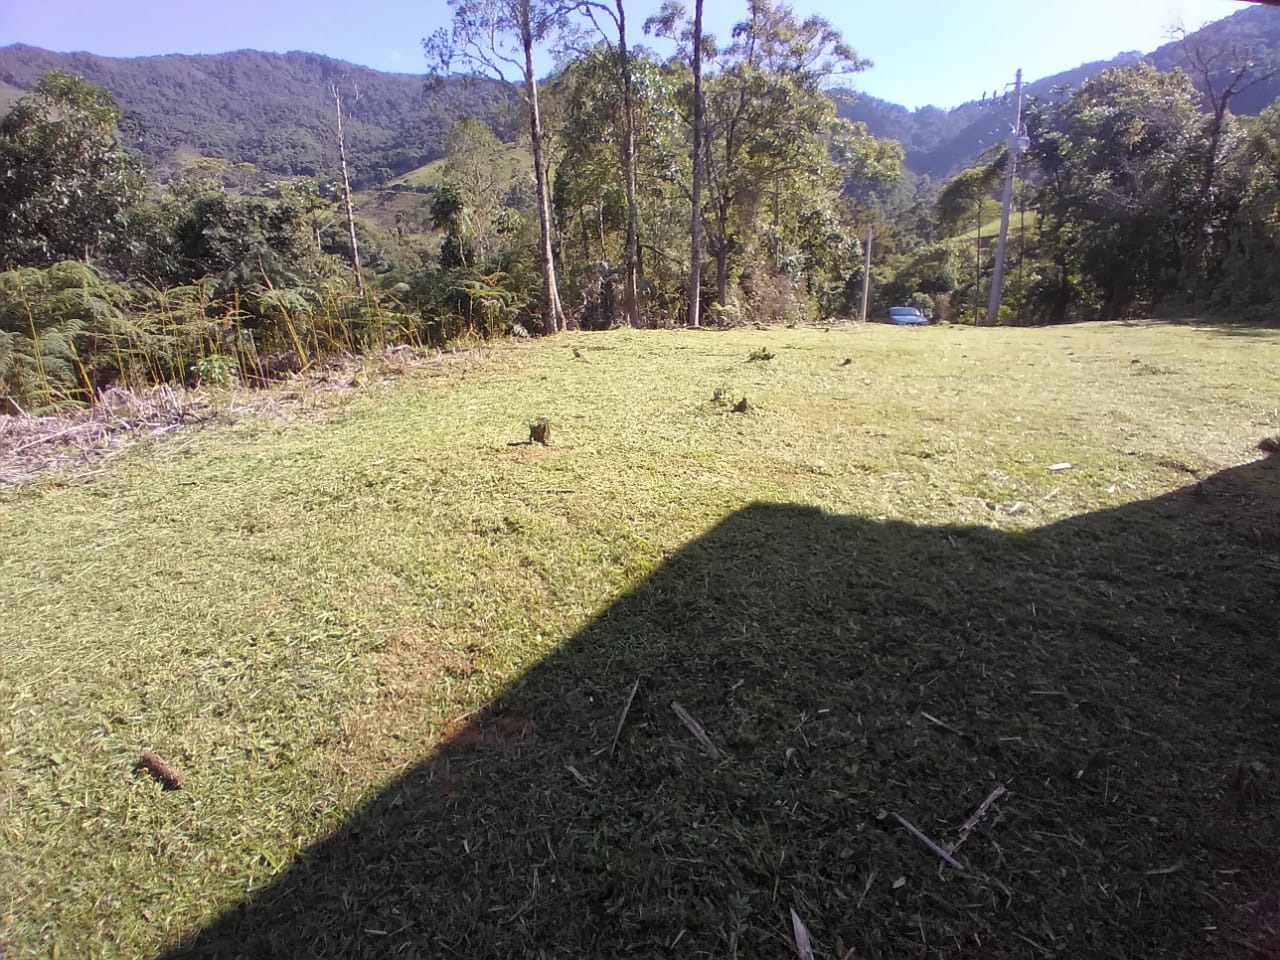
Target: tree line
(1140, 193)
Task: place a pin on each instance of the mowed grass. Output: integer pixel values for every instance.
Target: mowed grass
(398, 628)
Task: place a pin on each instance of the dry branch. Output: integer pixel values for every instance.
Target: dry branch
(695, 728)
(943, 724)
(977, 817)
(938, 851)
(622, 717)
(50, 437)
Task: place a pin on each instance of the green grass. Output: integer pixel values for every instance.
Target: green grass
(1017, 222)
(432, 174)
(428, 175)
(375, 641)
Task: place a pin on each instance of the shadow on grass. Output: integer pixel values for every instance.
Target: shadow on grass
(1249, 326)
(1119, 672)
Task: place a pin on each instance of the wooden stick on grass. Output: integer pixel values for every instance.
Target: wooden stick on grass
(915, 831)
(944, 725)
(622, 718)
(695, 728)
(977, 817)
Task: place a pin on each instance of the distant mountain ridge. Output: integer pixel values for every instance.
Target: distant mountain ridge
(275, 110)
(940, 142)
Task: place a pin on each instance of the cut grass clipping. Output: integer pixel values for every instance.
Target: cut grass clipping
(419, 676)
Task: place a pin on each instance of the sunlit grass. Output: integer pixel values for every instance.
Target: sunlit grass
(292, 613)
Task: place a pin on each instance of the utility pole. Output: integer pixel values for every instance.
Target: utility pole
(866, 275)
(1015, 147)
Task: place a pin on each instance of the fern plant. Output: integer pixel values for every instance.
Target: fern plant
(47, 317)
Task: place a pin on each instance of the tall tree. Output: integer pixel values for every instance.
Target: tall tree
(67, 183)
(346, 190)
(626, 77)
(1223, 72)
(769, 120)
(482, 171)
(495, 37)
(670, 22)
(1118, 176)
(699, 173)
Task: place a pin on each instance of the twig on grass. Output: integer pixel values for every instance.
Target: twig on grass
(977, 817)
(622, 718)
(871, 877)
(944, 725)
(695, 728)
(50, 437)
(938, 851)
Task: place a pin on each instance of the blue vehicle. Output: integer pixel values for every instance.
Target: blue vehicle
(906, 317)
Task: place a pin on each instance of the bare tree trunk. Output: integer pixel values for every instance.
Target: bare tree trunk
(631, 292)
(1193, 254)
(346, 193)
(554, 319)
(695, 218)
(721, 245)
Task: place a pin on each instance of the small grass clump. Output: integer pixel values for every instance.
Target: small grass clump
(418, 675)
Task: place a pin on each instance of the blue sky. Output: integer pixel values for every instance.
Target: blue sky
(930, 51)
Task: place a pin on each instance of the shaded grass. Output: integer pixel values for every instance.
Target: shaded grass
(296, 614)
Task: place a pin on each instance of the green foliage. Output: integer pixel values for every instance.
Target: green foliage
(1119, 169)
(479, 173)
(1136, 197)
(49, 318)
(1249, 275)
(216, 370)
(66, 181)
(969, 197)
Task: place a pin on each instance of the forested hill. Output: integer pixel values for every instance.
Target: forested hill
(274, 110)
(940, 142)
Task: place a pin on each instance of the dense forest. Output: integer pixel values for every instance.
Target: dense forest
(246, 216)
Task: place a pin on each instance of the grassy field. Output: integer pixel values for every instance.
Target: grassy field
(389, 648)
(432, 174)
